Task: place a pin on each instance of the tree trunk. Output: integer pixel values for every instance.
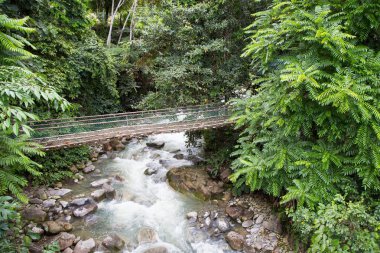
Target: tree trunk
(113, 14)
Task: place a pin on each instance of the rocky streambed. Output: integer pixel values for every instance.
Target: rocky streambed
(150, 195)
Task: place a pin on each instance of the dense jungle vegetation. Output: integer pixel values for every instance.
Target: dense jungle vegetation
(303, 78)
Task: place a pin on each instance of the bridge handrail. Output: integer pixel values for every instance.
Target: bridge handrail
(116, 129)
(120, 121)
(93, 117)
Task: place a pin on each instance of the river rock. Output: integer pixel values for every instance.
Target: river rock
(65, 240)
(234, 211)
(86, 209)
(192, 216)
(147, 235)
(100, 182)
(98, 195)
(48, 203)
(235, 240)
(195, 181)
(113, 242)
(63, 203)
(58, 192)
(151, 170)
(73, 169)
(34, 214)
(159, 249)
(179, 156)
(157, 144)
(37, 230)
(87, 246)
(247, 224)
(222, 224)
(35, 201)
(260, 219)
(117, 145)
(273, 224)
(52, 227)
(80, 201)
(110, 192)
(41, 194)
(89, 169)
(35, 248)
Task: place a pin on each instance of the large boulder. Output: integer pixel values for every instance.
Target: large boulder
(235, 240)
(80, 201)
(156, 144)
(195, 181)
(55, 227)
(86, 209)
(34, 214)
(117, 145)
(100, 182)
(113, 242)
(147, 235)
(234, 211)
(87, 246)
(59, 192)
(65, 240)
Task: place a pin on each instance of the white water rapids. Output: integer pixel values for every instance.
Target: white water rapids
(148, 201)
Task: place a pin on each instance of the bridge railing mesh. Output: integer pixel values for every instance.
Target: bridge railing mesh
(73, 126)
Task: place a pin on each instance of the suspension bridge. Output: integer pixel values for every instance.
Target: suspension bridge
(77, 131)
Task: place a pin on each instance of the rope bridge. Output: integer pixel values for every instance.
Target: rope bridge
(70, 132)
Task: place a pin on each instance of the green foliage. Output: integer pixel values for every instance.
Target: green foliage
(52, 248)
(338, 227)
(55, 165)
(312, 127)
(10, 226)
(190, 54)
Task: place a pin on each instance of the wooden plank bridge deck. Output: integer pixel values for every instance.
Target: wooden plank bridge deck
(71, 132)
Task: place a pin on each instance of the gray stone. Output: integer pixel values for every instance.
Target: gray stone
(110, 191)
(34, 214)
(68, 250)
(222, 224)
(52, 227)
(260, 219)
(147, 235)
(89, 169)
(98, 195)
(87, 246)
(59, 192)
(63, 203)
(208, 221)
(86, 209)
(157, 145)
(247, 223)
(234, 211)
(35, 201)
(80, 201)
(65, 240)
(192, 216)
(37, 230)
(179, 156)
(100, 182)
(273, 224)
(113, 242)
(48, 203)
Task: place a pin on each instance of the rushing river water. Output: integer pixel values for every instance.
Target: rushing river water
(148, 201)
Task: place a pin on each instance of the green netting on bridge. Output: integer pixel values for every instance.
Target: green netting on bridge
(73, 126)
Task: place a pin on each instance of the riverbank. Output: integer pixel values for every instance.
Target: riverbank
(121, 201)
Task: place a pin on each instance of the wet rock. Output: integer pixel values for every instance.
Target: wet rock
(208, 221)
(192, 216)
(87, 246)
(94, 154)
(48, 203)
(113, 242)
(117, 145)
(58, 185)
(234, 211)
(110, 192)
(107, 147)
(159, 249)
(81, 166)
(157, 144)
(35, 201)
(179, 156)
(104, 156)
(151, 170)
(73, 169)
(52, 227)
(34, 214)
(100, 182)
(247, 224)
(41, 194)
(86, 209)
(59, 192)
(98, 195)
(195, 181)
(119, 178)
(235, 240)
(65, 240)
(222, 224)
(89, 169)
(80, 201)
(147, 235)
